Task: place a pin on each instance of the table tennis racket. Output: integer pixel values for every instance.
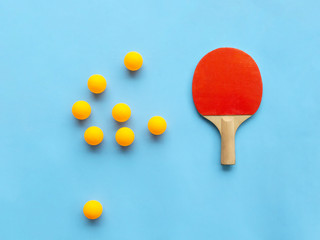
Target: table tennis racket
(227, 90)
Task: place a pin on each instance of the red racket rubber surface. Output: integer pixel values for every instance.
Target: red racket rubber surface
(227, 81)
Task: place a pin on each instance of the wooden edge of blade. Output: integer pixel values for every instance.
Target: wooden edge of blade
(237, 120)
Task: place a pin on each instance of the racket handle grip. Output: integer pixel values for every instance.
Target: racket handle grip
(228, 155)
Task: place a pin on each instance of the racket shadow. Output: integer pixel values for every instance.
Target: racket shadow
(227, 168)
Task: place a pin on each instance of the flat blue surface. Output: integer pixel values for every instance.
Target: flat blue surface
(171, 187)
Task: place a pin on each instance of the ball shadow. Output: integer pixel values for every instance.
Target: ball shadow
(98, 97)
(119, 124)
(94, 222)
(125, 150)
(95, 148)
(81, 123)
(133, 74)
(155, 138)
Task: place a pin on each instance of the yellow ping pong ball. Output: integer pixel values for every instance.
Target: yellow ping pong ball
(157, 125)
(97, 83)
(133, 61)
(93, 135)
(81, 110)
(121, 112)
(124, 136)
(92, 209)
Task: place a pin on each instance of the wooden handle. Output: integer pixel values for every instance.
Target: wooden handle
(227, 125)
(228, 155)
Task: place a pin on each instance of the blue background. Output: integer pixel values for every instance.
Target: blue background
(170, 187)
